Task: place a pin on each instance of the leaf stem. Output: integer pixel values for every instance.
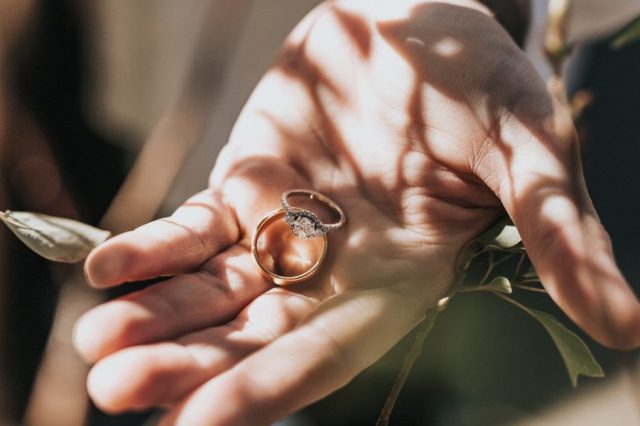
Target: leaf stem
(471, 289)
(479, 252)
(519, 265)
(503, 259)
(529, 288)
(423, 330)
(555, 42)
(483, 281)
(514, 302)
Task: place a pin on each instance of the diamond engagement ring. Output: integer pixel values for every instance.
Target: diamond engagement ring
(304, 223)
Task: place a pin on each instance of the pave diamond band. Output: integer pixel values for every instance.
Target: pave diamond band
(304, 223)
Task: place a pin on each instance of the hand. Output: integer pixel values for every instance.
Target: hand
(422, 120)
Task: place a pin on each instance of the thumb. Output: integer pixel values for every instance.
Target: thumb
(534, 168)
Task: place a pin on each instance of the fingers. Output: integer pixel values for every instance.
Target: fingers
(212, 296)
(159, 374)
(344, 335)
(537, 175)
(200, 228)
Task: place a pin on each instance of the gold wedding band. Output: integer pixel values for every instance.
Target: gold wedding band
(277, 277)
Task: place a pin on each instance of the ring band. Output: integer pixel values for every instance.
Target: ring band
(304, 223)
(275, 277)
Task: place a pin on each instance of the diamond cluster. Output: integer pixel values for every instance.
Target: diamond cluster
(304, 224)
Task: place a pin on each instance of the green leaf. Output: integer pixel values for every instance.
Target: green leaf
(54, 238)
(502, 235)
(501, 284)
(628, 35)
(576, 355)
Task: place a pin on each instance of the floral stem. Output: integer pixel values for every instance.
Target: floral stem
(489, 269)
(503, 259)
(555, 42)
(519, 265)
(423, 330)
(529, 288)
(518, 304)
(472, 288)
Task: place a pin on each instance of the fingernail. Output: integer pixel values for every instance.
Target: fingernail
(104, 269)
(84, 341)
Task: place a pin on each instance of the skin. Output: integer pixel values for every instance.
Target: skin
(424, 121)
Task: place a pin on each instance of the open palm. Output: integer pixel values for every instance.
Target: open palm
(423, 121)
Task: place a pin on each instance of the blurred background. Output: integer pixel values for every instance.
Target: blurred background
(113, 112)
